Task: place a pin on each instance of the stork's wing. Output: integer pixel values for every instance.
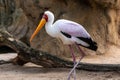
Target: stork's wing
(72, 29)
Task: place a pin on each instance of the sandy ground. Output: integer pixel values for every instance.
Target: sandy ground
(34, 72)
(13, 72)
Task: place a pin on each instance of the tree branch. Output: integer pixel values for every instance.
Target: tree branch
(28, 54)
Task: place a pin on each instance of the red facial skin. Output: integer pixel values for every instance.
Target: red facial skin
(45, 17)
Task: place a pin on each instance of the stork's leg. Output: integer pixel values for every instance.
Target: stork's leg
(74, 60)
(83, 54)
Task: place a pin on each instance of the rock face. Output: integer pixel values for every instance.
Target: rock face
(101, 18)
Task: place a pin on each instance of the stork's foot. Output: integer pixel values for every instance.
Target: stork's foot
(72, 73)
(73, 69)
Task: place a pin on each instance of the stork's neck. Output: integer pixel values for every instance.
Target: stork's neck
(50, 21)
(49, 28)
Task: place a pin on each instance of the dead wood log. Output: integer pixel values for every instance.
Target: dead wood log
(28, 54)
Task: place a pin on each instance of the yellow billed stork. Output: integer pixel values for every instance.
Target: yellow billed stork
(69, 32)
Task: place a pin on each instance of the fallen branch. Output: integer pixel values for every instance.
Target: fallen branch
(28, 54)
(5, 62)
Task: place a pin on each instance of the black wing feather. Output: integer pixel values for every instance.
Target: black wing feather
(93, 45)
(65, 34)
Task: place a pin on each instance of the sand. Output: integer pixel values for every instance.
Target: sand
(13, 72)
(34, 72)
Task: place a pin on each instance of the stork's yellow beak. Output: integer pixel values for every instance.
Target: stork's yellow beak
(41, 24)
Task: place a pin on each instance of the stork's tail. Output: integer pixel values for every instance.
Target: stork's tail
(92, 44)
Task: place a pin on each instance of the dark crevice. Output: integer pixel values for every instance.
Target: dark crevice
(5, 49)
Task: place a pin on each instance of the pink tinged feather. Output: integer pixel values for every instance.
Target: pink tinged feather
(72, 28)
(78, 41)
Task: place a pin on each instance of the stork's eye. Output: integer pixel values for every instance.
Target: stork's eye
(45, 17)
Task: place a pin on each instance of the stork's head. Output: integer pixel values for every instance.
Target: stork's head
(47, 17)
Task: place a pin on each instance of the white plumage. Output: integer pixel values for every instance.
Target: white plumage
(69, 32)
